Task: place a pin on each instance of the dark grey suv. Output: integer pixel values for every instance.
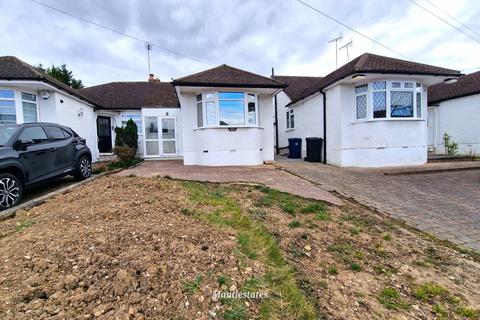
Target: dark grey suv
(33, 153)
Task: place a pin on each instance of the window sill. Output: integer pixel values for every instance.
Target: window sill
(387, 119)
(291, 129)
(229, 127)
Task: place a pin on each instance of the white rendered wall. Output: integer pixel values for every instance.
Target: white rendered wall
(220, 146)
(376, 143)
(308, 121)
(79, 116)
(460, 118)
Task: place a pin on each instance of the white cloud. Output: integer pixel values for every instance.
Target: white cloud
(255, 35)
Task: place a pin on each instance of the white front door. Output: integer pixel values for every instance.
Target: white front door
(160, 136)
(432, 128)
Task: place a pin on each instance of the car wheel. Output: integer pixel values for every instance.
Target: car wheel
(84, 168)
(10, 191)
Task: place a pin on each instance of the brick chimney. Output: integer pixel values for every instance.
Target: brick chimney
(151, 78)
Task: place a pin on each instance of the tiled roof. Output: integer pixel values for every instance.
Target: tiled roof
(133, 95)
(12, 68)
(372, 63)
(465, 86)
(226, 76)
(298, 86)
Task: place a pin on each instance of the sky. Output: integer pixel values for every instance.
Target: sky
(253, 35)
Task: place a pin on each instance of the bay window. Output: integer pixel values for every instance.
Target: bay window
(388, 100)
(226, 109)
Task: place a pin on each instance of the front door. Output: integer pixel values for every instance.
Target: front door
(160, 137)
(104, 133)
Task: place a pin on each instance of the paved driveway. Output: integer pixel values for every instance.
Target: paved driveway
(266, 175)
(445, 204)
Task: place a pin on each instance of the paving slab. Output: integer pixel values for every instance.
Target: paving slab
(266, 174)
(443, 203)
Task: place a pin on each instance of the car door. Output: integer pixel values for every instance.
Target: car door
(61, 142)
(38, 158)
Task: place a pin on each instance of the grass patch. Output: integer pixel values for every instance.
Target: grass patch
(428, 291)
(286, 300)
(314, 207)
(22, 225)
(288, 203)
(390, 298)
(468, 313)
(192, 286)
(387, 237)
(333, 270)
(223, 280)
(323, 216)
(355, 267)
(294, 224)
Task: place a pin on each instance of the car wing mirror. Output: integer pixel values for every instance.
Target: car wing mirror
(23, 143)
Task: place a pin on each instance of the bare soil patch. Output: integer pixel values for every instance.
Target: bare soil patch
(138, 248)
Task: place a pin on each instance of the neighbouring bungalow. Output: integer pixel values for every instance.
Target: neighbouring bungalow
(221, 116)
(454, 109)
(28, 95)
(371, 112)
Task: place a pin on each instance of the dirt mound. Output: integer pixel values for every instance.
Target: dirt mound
(115, 247)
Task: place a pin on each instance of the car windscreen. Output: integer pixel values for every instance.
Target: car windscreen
(6, 133)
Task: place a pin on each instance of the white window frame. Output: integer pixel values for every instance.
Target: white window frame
(367, 106)
(288, 115)
(216, 102)
(29, 101)
(389, 89)
(14, 99)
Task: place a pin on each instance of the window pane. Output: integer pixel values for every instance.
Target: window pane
(292, 121)
(7, 94)
(419, 104)
(33, 133)
(361, 89)
(230, 95)
(29, 96)
(361, 108)
(408, 85)
(251, 97)
(252, 113)
(29, 112)
(211, 113)
(401, 104)
(168, 128)
(137, 118)
(379, 104)
(7, 118)
(199, 97)
(199, 115)
(168, 146)
(152, 148)
(7, 103)
(209, 96)
(7, 110)
(382, 85)
(396, 84)
(55, 133)
(288, 120)
(232, 112)
(151, 128)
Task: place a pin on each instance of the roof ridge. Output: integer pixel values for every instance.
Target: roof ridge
(197, 73)
(252, 73)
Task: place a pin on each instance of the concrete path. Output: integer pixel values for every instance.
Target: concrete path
(267, 175)
(445, 203)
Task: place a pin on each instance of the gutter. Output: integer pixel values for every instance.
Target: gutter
(324, 126)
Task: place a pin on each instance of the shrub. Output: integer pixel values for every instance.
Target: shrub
(126, 141)
(451, 147)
